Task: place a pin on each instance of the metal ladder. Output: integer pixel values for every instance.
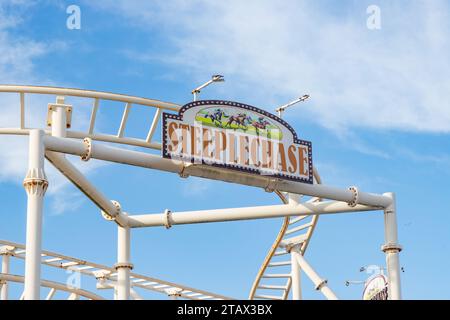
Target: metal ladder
(273, 281)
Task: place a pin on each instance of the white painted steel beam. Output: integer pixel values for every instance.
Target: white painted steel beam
(35, 184)
(59, 119)
(321, 284)
(146, 160)
(85, 186)
(294, 200)
(296, 278)
(233, 214)
(113, 139)
(5, 253)
(123, 265)
(392, 248)
(95, 136)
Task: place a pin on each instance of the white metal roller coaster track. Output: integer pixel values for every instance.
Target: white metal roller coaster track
(295, 231)
(96, 97)
(301, 235)
(74, 293)
(104, 274)
(306, 230)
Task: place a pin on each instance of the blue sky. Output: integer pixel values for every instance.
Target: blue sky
(378, 118)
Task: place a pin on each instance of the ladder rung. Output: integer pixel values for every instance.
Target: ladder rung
(22, 110)
(160, 286)
(84, 268)
(153, 126)
(299, 228)
(280, 263)
(93, 116)
(263, 296)
(69, 264)
(276, 275)
(123, 123)
(294, 240)
(138, 280)
(273, 287)
(195, 294)
(297, 219)
(280, 253)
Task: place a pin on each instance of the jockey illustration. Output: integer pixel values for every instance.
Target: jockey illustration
(219, 113)
(261, 120)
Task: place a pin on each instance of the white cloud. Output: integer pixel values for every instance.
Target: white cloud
(440, 161)
(395, 78)
(17, 67)
(195, 187)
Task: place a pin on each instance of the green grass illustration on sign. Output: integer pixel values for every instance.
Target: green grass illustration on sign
(239, 120)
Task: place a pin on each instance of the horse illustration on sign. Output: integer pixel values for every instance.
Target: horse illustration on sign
(246, 121)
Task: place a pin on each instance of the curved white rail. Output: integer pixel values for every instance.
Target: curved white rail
(89, 94)
(104, 273)
(300, 234)
(97, 97)
(75, 293)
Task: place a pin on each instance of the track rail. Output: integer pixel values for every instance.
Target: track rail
(280, 283)
(103, 272)
(74, 293)
(98, 98)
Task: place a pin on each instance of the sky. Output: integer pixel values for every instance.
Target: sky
(378, 118)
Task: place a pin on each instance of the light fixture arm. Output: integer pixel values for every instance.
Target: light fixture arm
(214, 78)
(280, 110)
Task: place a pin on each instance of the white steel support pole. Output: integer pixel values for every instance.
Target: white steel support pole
(59, 119)
(321, 284)
(5, 269)
(295, 277)
(115, 292)
(123, 266)
(35, 184)
(294, 199)
(6, 254)
(391, 248)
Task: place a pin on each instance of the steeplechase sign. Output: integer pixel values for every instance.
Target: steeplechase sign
(376, 288)
(236, 136)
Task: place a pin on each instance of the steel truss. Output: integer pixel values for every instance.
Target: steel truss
(292, 239)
